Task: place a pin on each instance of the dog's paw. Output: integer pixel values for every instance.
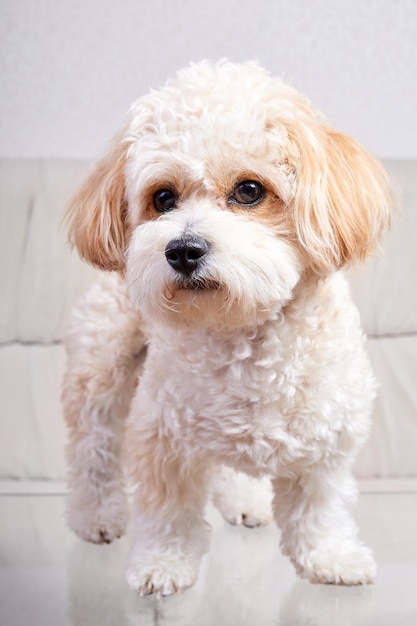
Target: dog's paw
(351, 566)
(246, 516)
(161, 575)
(100, 523)
(100, 530)
(242, 499)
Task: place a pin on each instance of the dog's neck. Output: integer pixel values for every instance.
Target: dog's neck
(298, 312)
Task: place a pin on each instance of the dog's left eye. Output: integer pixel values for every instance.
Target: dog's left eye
(164, 200)
(248, 192)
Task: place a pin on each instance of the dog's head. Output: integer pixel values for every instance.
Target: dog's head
(224, 188)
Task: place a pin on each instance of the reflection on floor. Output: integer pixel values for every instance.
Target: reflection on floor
(48, 577)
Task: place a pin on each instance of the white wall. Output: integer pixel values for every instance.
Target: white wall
(70, 68)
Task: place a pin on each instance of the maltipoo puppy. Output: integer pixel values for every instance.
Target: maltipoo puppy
(222, 216)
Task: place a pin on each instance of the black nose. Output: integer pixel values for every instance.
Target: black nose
(186, 254)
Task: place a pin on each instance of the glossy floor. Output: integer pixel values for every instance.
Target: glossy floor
(48, 577)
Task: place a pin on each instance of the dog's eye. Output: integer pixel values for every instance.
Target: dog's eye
(248, 192)
(164, 200)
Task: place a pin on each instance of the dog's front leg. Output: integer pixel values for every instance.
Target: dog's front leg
(170, 533)
(318, 532)
(103, 341)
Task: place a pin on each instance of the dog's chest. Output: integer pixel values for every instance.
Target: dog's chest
(238, 380)
(235, 396)
(284, 393)
(257, 369)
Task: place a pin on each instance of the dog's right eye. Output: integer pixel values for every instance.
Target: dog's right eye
(164, 200)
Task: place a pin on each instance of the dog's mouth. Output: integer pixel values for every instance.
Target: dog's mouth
(188, 289)
(195, 284)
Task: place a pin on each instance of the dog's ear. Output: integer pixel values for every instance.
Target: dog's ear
(97, 214)
(343, 201)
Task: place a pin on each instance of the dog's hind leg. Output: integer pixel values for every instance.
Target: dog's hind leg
(103, 342)
(242, 499)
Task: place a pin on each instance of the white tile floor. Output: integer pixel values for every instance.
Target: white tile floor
(48, 577)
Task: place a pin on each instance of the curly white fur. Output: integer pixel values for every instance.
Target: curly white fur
(255, 353)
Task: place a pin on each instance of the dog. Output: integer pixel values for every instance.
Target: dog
(222, 217)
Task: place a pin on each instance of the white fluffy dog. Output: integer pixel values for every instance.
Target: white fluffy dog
(225, 209)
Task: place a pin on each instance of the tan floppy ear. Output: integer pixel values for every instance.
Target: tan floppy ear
(343, 201)
(97, 214)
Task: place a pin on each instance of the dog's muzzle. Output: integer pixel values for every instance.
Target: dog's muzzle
(187, 254)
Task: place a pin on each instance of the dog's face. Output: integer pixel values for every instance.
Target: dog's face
(224, 188)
